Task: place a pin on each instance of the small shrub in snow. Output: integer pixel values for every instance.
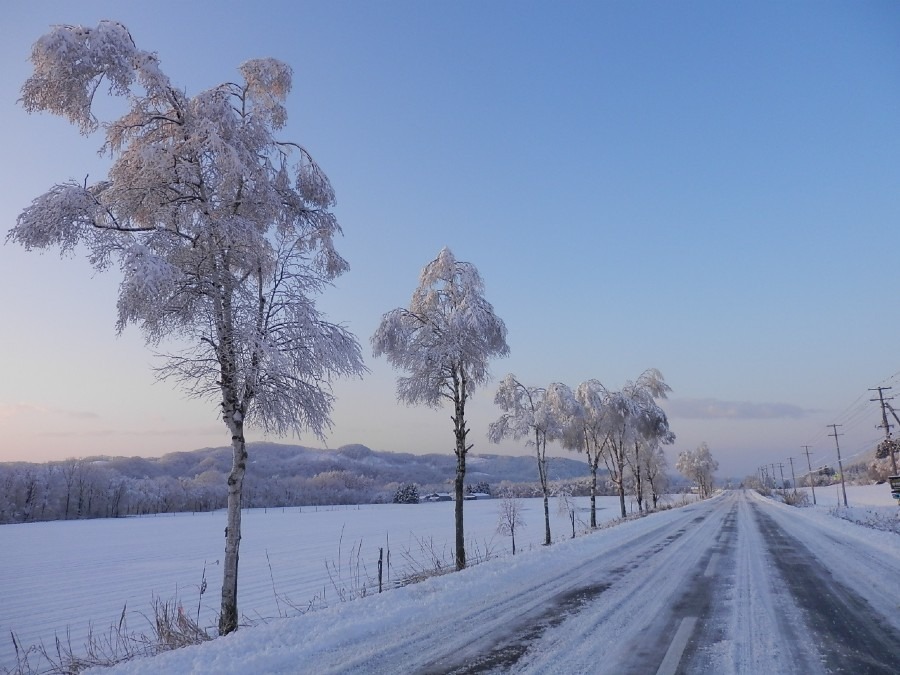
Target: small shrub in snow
(795, 498)
(509, 518)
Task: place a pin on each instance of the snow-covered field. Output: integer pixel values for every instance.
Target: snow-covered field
(857, 495)
(869, 505)
(68, 575)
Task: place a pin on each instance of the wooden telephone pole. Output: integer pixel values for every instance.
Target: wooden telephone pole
(812, 483)
(793, 476)
(885, 425)
(840, 465)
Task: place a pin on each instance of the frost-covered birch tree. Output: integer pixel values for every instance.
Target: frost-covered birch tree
(444, 341)
(698, 466)
(585, 426)
(619, 416)
(655, 466)
(222, 233)
(651, 428)
(628, 419)
(509, 517)
(526, 413)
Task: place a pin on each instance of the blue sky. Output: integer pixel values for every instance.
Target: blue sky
(702, 187)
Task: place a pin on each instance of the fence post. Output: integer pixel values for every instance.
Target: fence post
(380, 557)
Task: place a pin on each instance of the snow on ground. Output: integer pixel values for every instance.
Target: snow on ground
(415, 620)
(67, 576)
(857, 495)
(649, 564)
(64, 575)
(869, 505)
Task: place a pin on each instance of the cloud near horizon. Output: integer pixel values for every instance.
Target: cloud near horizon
(141, 433)
(11, 410)
(713, 409)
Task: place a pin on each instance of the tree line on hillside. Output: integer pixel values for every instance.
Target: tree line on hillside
(78, 489)
(195, 481)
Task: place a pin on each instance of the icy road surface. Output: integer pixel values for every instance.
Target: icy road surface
(736, 584)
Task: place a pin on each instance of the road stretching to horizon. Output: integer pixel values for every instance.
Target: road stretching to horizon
(729, 587)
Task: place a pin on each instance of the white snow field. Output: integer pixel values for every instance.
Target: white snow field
(857, 495)
(714, 587)
(581, 606)
(66, 576)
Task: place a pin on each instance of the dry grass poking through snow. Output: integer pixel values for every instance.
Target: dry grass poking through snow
(170, 628)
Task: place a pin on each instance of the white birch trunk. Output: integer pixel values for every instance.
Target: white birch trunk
(228, 618)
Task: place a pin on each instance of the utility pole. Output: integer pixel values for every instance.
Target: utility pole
(884, 422)
(885, 425)
(811, 481)
(840, 465)
(793, 476)
(774, 485)
(781, 470)
(894, 413)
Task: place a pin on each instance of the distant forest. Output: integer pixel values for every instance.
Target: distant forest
(278, 475)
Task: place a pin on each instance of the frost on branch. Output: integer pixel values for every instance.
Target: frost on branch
(221, 231)
(449, 330)
(268, 84)
(59, 217)
(70, 64)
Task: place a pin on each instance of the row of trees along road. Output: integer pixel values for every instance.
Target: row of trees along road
(444, 342)
(223, 234)
(626, 429)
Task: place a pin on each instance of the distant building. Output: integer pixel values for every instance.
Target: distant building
(437, 497)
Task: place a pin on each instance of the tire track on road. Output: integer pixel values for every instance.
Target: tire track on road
(851, 637)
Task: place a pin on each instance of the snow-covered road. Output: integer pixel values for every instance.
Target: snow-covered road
(736, 584)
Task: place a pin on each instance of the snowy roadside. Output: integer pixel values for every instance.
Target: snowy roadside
(322, 641)
(70, 576)
(869, 505)
(410, 625)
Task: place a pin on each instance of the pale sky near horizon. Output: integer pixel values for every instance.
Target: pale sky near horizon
(706, 188)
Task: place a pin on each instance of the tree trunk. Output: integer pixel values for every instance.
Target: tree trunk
(228, 619)
(540, 443)
(546, 520)
(639, 489)
(621, 485)
(460, 432)
(513, 535)
(594, 464)
(460, 532)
